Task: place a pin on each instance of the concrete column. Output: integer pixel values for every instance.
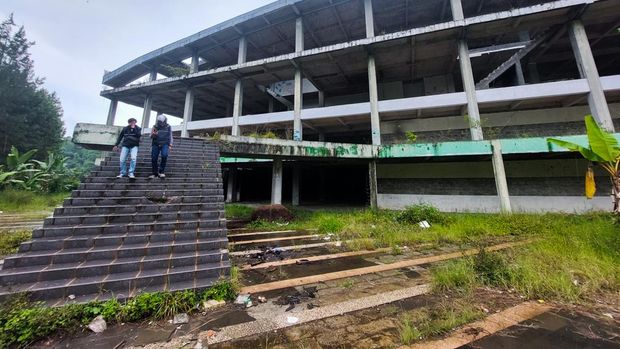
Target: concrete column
(299, 35)
(230, 186)
(457, 10)
(153, 75)
(375, 124)
(146, 111)
(243, 50)
(500, 177)
(321, 99)
(321, 136)
(297, 105)
(187, 111)
(519, 72)
(276, 182)
(270, 105)
(237, 108)
(370, 21)
(296, 179)
(194, 66)
(372, 178)
(238, 99)
(587, 69)
(470, 90)
(112, 112)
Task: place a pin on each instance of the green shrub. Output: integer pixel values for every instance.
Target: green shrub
(490, 268)
(238, 211)
(221, 291)
(422, 212)
(9, 241)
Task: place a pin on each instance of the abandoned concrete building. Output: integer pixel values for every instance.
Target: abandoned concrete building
(390, 103)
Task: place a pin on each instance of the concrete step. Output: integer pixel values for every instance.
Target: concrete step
(140, 246)
(58, 231)
(156, 192)
(124, 200)
(32, 274)
(128, 283)
(143, 185)
(176, 174)
(125, 218)
(145, 180)
(135, 209)
(192, 168)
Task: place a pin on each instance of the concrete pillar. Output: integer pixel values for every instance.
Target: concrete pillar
(187, 111)
(270, 105)
(238, 99)
(112, 112)
(148, 103)
(370, 21)
(519, 72)
(457, 10)
(299, 34)
(243, 50)
(500, 177)
(372, 178)
(321, 136)
(230, 186)
(237, 107)
(375, 124)
(297, 105)
(296, 180)
(587, 69)
(321, 99)
(470, 90)
(146, 111)
(276, 182)
(194, 65)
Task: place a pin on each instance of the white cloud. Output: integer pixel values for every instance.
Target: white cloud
(76, 40)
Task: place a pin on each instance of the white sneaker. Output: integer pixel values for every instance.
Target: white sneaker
(131, 176)
(151, 176)
(162, 175)
(120, 176)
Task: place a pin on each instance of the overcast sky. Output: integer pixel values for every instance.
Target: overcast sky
(76, 40)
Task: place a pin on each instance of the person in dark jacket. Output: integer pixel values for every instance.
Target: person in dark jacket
(128, 139)
(162, 143)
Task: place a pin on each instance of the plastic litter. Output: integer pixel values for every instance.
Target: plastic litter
(424, 224)
(292, 319)
(98, 324)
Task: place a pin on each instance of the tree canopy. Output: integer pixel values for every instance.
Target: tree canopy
(30, 116)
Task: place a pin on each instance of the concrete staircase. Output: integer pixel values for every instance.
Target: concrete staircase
(119, 237)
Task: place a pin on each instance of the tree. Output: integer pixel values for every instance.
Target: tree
(604, 151)
(30, 116)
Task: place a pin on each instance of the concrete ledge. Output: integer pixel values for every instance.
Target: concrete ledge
(490, 203)
(96, 136)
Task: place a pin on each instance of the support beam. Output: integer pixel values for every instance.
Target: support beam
(187, 111)
(230, 188)
(146, 111)
(500, 177)
(587, 69)
(457, 10)
(370, 21)
(296, 180)
(299, 34)
(112, 112)
(519, 72)
(298, 83)
(276, 182)
(372, 185)
(148, 103)
(470, 91)
(297, 105)
(237, 107)
(238, 98)
(375, 123)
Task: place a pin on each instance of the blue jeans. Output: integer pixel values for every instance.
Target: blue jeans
(156, 150)
(125, 151)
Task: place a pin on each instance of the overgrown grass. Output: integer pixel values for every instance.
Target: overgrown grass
(431, 322)
(26, 201)
(23, 322)
(9, 241)
(238, 211)
(574, 258)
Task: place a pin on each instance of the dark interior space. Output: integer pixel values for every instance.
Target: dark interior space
(320, 183)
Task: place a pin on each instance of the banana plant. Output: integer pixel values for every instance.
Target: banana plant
(603, 150)
(16, 161)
